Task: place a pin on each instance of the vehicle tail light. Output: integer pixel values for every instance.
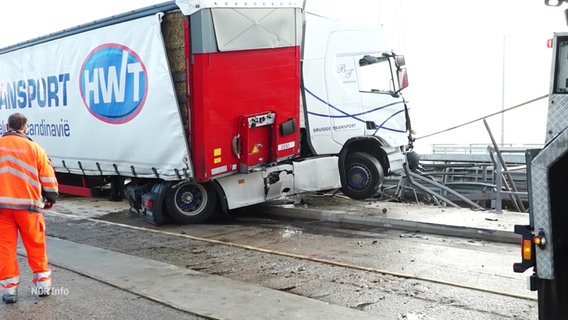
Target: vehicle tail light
(540, 240)
(527, 249)
(147, 203)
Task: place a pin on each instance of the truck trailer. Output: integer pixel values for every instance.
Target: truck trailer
(544, 244)
(190, 107)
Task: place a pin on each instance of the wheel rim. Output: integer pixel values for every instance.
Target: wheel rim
(190, 199)
(358, 177)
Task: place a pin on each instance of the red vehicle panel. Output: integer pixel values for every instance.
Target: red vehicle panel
(230, 94)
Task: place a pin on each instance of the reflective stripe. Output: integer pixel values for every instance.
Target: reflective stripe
(10, 282)
(25, 204)
(41, 279)
(25, 170)
(48, 179)
(42, 276)
(50, 189)
(19, 201)
(20, 163)
(32, 181)
(30, 208)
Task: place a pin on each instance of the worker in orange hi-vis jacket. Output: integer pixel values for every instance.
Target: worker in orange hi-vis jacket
(27, 185)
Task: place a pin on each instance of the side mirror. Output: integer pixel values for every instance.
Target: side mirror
(399, 61)
(402, 78)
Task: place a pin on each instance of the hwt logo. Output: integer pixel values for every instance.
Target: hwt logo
(114, 83)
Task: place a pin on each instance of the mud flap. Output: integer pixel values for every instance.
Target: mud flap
(153, 204)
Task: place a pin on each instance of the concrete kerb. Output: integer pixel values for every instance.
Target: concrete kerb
(292, 211)
(200, 294)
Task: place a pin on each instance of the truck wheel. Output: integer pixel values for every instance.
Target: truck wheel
(363, 176)
(191, 202)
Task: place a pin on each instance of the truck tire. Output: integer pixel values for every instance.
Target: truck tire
(191, 202)
(363, 176)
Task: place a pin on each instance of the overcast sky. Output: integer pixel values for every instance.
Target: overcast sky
(458, 54)
(465, 59)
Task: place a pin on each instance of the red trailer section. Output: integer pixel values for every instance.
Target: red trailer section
(244, 109)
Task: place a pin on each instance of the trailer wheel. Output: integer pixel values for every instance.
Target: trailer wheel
(363, 176)
(191, 202)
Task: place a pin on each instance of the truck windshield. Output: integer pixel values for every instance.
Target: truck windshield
(376, 75)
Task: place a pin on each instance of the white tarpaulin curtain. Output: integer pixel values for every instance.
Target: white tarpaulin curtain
(100, 102)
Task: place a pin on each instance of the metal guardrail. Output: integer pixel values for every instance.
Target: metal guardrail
(482, 173)
(479, 148)
(477, 153)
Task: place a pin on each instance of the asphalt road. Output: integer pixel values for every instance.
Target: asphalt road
(384, 273)
(79, 297)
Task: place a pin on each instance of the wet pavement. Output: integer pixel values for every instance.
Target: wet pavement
(76, 296)
(449, 221)
(97, 283)
(201, 295)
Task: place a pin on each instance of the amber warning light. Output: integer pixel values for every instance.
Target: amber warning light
(549, 43)
(527, 248)
(540, 240)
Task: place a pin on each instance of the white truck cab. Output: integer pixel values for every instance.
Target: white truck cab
(352, 101)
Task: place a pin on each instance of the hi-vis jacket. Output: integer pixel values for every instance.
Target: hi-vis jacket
(25, 171)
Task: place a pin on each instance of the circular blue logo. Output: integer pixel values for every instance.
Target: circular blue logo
(114, 83)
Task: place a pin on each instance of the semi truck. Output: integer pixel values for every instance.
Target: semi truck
(544, 241)
(192, 107)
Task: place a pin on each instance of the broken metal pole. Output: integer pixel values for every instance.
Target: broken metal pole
(506, 175)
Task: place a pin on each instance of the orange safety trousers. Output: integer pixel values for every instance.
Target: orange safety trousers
(31, 226)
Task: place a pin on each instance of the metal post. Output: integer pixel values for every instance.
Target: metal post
(507, 178)
(498, 186)
(503, 93)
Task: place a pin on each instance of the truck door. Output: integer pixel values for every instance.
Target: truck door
(362, 84)
(344, 101)
(549, 180)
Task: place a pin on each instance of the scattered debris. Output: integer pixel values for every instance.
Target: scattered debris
(411, 316)
(417, 236)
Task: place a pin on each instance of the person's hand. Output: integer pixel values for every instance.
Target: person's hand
(47, 205)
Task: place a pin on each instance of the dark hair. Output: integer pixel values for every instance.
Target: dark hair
(17, 121)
